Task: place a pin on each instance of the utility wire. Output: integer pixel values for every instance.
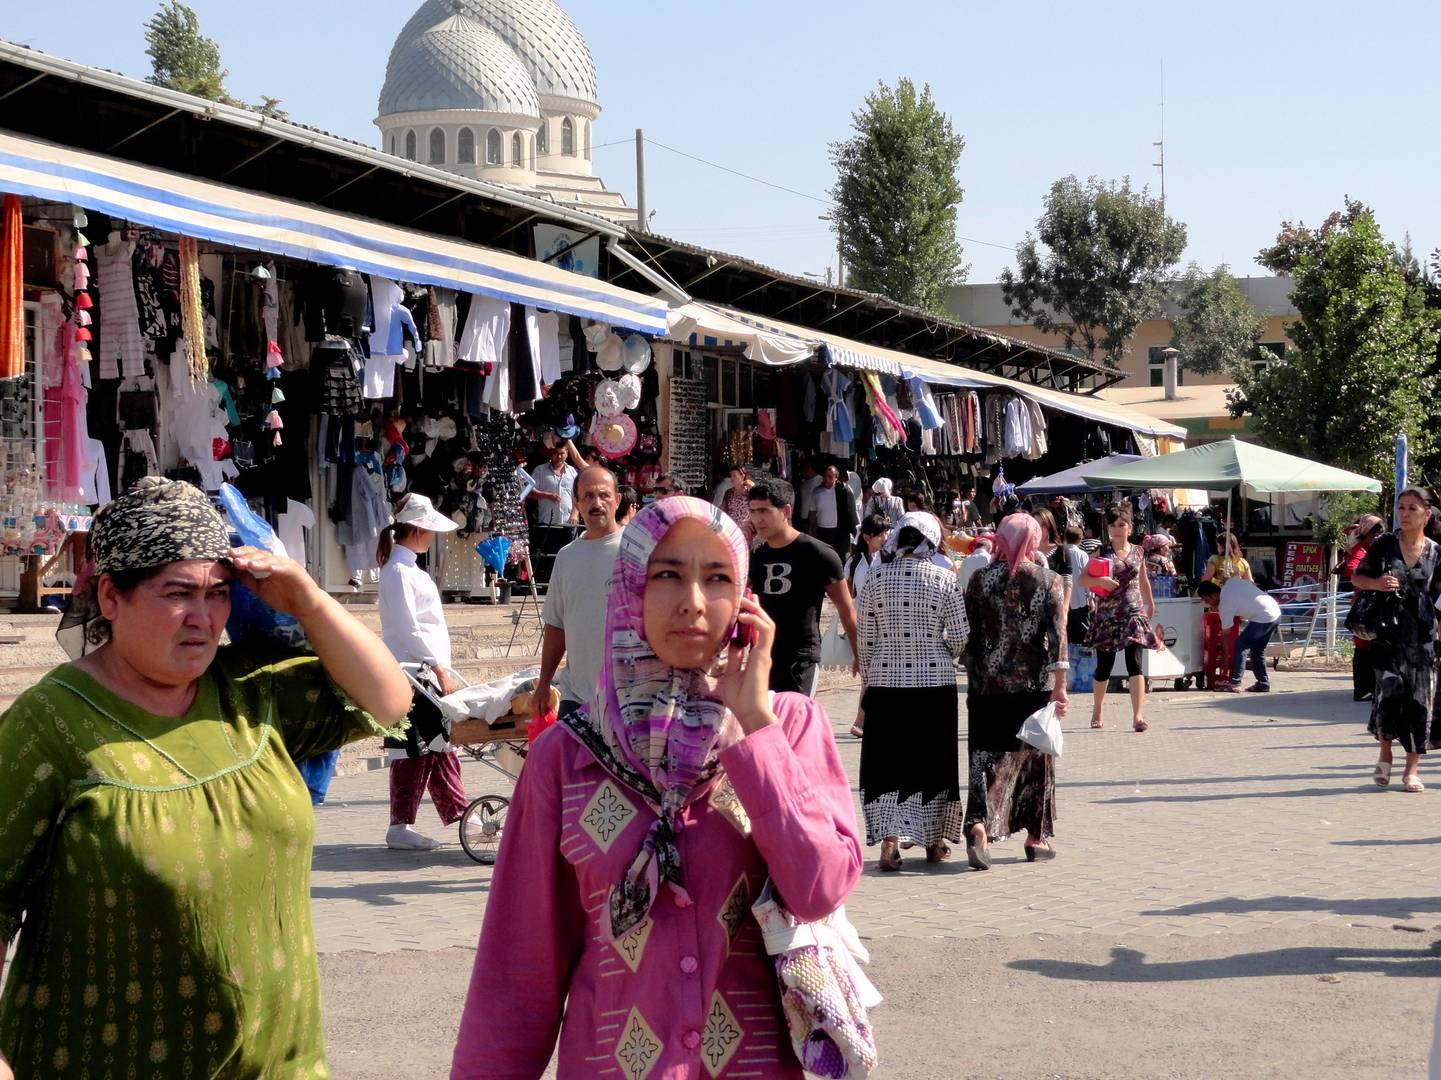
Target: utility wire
(793, 191)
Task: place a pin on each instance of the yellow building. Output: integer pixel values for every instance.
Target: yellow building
(1200, 401)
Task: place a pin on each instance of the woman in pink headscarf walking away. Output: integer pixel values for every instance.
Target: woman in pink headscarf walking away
(643, 828)
(1016, 663)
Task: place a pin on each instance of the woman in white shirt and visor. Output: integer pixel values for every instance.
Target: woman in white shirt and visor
(412, 625)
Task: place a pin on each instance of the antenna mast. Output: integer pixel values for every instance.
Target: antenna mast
(1160, 144)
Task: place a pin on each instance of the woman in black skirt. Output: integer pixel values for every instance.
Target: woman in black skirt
(1016, 608)
(912, 627)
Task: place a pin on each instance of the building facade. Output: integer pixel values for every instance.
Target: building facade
(502, 91)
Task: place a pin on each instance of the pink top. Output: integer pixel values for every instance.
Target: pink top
(690, 992)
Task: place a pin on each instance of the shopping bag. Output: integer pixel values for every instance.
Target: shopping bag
(1043, 730)
(835, 647)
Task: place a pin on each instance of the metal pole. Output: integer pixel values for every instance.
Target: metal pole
(1330, 602)
(644, 224)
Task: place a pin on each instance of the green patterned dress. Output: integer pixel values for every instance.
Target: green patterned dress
(162, 868)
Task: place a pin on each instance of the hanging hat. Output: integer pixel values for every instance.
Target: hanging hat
(629, 391)
(610, 398)
(83, 334)
(635, 354)
(615, 436)
(568, 430)
(83, 318)
(596, 335)
(447, 427)
(84, 301)
(611, 355)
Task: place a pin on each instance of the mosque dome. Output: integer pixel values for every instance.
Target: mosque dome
(538, 33)
(453, 61)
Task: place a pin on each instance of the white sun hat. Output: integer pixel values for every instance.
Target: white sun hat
(419, 512)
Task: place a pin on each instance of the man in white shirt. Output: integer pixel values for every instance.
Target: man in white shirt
(833, 516)
(575, 599)
(554, 490)
(1241, 601)
(979, 557)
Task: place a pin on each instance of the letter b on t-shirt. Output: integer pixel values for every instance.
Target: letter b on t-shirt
(777, 581)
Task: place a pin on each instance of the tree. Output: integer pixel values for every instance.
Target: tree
(1097, 265)
(896, 195)
(1363, 367)
(182, 58)
(1218, 329)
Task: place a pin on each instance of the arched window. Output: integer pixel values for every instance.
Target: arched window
(587, 140)
(542, 139)
(567, 137)
(390, 142)
(410, 145)
(465, 147)
(437, 146)
(493, 154)
(517, 150)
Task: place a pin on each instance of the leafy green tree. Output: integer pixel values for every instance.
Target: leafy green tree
(1363, 368)
(1218, 329)
(1097, 265)
(181, 57)
(896, 195)
(184, 59)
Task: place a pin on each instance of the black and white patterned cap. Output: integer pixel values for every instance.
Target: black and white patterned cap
(156, 522)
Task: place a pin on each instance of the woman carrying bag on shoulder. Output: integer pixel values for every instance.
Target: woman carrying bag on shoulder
(644, 827)
(1407, 566)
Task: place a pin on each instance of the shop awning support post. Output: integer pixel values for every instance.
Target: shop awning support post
(643, 222)
(1331, 598)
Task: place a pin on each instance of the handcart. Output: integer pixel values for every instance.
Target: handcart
(488, 722)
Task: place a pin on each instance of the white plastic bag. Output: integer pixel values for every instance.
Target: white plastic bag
(835, 647)
(1043, 730)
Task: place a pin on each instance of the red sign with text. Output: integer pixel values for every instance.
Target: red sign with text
(1303, 566)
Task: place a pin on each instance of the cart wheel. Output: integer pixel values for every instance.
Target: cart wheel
(481, 826)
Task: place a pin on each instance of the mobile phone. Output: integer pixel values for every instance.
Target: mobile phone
(744, 635)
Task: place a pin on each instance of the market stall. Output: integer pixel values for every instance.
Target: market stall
(1228, 467)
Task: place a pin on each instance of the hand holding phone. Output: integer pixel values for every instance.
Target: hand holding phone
(743, 635)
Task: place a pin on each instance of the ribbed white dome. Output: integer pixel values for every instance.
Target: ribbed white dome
(455, 62)
(540, 34)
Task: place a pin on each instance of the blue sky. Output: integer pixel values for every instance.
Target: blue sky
(1273, 110)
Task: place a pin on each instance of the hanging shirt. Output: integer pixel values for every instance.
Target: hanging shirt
(412, 621)
(542, 330)
(95, 474)
(291, 527)
(487, 332)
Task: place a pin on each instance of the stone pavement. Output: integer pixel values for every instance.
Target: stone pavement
(1233, 814)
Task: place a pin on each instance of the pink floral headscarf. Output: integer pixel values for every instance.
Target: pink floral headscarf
(663, 724)
(1016, 541)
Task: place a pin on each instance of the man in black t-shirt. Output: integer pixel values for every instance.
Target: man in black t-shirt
(791, 575)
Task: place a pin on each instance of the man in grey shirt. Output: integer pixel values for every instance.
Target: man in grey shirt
(575, 600)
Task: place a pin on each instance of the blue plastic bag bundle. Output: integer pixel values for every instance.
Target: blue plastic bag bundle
(1081, 678)
(252, 621)
(494, 552)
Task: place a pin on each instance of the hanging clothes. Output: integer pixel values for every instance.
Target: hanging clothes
(12, 278)
(393, 322)
(122, 348)
(440, 320)
(486, 337)
(1037, 445)
(542, 329)
(192, 312)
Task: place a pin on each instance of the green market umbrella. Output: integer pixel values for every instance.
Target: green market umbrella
(1228, 465)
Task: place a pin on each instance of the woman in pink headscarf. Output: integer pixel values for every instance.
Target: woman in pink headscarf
(645, 825)
(1016, 663)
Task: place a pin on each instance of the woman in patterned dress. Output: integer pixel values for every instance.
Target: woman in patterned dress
(1407, 565)
(736, 502)
(155, 835)
(1016, 662)
(912, 626)
(1122, 617)
(643, 828)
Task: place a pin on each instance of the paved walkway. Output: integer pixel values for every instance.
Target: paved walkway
(1232, 814)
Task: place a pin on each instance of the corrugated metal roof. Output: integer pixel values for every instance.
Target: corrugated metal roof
(457, 64)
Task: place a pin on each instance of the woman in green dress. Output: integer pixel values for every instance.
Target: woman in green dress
(155, 836)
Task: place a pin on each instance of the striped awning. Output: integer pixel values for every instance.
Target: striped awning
(246, 219)
(699, 325)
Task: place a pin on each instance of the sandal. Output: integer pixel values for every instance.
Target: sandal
(890, 859)
(1139, 725)
(938, 852)
(1039, 852)
(857, 730)
(1382, 773)
(1413, 783)
(979, 858)
(1097, 724)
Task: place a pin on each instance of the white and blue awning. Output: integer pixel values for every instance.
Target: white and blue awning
(245, 219)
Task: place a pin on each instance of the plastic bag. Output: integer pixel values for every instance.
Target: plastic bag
(251, 619)
(1042, 730)
(835, 647)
